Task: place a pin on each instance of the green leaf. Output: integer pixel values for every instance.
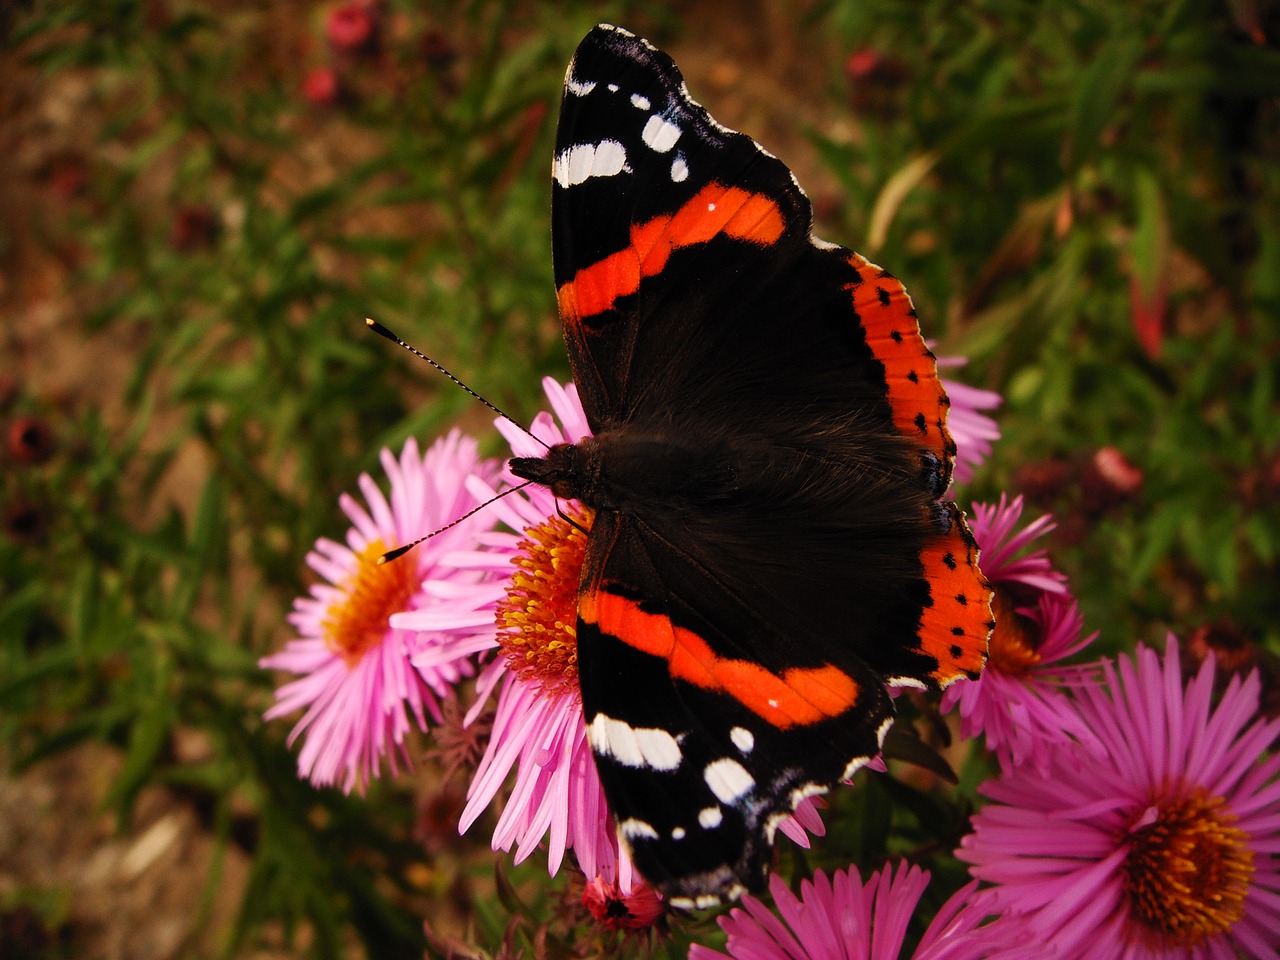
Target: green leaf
(1099, 90)
(148, 736)
(1151, 243)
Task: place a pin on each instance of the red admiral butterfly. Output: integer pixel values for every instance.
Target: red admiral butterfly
(770, 548)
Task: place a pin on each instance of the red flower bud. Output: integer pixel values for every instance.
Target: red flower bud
(322, 87)
(637, 910)
(30, 440)
(352, 29)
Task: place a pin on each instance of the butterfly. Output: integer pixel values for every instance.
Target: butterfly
(771, 548)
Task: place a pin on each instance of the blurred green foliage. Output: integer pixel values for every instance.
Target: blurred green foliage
(1081, 195)
(1087, 193)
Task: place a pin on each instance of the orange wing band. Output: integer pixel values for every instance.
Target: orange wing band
(801, 696)
(715, 210)
(916, 396)
(955, 628)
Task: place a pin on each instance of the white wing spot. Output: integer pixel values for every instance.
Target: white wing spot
(710, 817)
(771, 825)
(883, 730)
(728, 779)
(679, 169)
(677, 833)
(579, 88)
(911, 682)
(660, 135)
(856, 764)
(631, 746)
(582, 161)
(743, 739)
(631, 828)
(710, 207)
(640, 101)
(805, 790)
(613, 88)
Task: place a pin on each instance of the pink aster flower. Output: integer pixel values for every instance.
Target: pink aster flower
(538, 730)
(1003, 560)
(973, 431)
(840, 918)
(1166, 844)
(1018, 704)
(360, 690)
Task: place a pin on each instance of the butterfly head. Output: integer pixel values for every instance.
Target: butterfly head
(568, 470)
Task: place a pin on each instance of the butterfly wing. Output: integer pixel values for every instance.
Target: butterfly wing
(703, 744)
(796, 540)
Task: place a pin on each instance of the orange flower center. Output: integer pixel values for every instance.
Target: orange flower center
(1014, 642)
(358, 622)
(1187, 872)
(538, 618)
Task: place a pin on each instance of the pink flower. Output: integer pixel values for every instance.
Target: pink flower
(993, 527)
(1166, 843)
(1018, 704)
(356, 680)
(838, 918)
(973, 431)
(538, 730)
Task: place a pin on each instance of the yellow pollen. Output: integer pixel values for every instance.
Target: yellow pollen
(358, 622)
(1014, 642)
(538, 618)
(1187, 872)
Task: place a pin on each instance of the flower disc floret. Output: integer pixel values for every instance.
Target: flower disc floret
(537, 619)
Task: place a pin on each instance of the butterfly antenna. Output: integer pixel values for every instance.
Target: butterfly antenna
(382, 331)
(399, 552)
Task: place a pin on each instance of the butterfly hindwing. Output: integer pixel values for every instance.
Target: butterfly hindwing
(770, 547)
(702, 748)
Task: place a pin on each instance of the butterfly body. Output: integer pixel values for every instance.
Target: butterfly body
(769, 549)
